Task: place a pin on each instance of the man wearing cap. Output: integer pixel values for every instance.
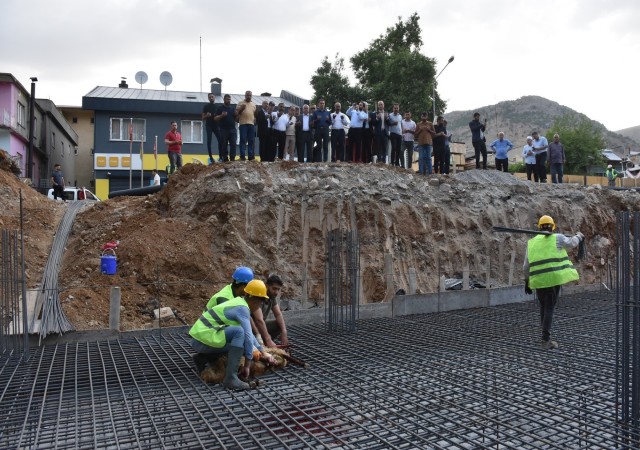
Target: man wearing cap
(241, 276)
(226, 328)
(271, 329)
(540, 145)
(611, 175)
(530, 159)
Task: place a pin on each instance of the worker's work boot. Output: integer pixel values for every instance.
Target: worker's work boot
(231, 380)
(200, 362)
(549, 345)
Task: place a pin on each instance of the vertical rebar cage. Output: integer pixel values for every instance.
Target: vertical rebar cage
(14, 342)
(628, 325)
(342, 280)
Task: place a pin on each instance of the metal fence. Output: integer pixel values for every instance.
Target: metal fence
(14, 342)
(628, 325)
(342, 280)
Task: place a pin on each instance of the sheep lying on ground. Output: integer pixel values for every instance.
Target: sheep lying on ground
(215, 370)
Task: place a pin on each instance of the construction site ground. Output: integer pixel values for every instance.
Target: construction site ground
(470, 379)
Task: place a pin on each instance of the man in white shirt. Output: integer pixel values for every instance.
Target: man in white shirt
(339, 121)
(358, 117)
(408, 129)
(156, 177)
(530, 159)
(395, 135)
(540, 145)
(280, 121)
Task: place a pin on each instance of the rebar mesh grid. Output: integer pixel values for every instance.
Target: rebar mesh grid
(473, 379)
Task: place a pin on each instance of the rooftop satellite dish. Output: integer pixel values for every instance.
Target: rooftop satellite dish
(141, 78)
(166, 78)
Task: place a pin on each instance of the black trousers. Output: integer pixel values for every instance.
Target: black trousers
(216, 132)
(381, 142)
(264, 139)
(337, 145)
(548, 298)
(502, 164)
(481, 149)
(305, 146)
(367, 138)
(396, 149)
(279, 138)
(321, 150)
(355, 144)
(541, 170)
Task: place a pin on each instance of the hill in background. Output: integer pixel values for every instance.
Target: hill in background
(518, 118)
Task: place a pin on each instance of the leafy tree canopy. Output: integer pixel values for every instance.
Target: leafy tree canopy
(391, 69)
(582, 143)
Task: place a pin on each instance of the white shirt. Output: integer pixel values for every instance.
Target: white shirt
(409, 125)
(280, 124)
(305, 122)
(357, 117)
(528, 159)
(156, 180)
(539, 143)
(339, 121)
(397, 118)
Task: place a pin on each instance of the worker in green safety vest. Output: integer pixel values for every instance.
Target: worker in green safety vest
(546, 268)
(226, 328)
(241, 276)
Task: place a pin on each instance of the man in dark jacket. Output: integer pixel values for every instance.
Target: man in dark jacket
(478, 140)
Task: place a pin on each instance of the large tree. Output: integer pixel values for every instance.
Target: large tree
(391, 69)
(582, 142)
(330, 82)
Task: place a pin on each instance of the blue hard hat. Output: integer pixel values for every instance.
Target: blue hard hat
(243, 275)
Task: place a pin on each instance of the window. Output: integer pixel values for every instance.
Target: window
(75, 150)
(62, 148)
(22, 115)
(191, 131)
(120, 129)
(53, 141)
(74, 120)
(92, 120)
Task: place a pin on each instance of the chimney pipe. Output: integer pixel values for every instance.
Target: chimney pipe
(123, 83)
(216, 86)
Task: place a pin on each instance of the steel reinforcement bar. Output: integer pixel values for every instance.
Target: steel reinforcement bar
(473, 379)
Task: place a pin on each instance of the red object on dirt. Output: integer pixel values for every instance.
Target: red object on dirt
(110, 245)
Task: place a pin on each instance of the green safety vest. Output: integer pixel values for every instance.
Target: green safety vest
(548, 265)
(226, 293)
(209, 328)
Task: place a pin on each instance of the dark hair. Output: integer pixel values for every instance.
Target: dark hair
(424, 113)
(274, 279)
(476, 114)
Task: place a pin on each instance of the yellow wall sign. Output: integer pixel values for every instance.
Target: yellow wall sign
(126, 161)
(114, 161)
(101, 161)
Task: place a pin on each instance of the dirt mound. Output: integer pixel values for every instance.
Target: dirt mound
(179, 246)
(41, 218)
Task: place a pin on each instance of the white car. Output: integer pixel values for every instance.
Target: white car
(73, 193)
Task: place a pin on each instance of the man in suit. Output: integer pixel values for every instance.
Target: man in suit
(380, 126)
(263, 122)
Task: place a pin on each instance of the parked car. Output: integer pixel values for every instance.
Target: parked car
(72, 193)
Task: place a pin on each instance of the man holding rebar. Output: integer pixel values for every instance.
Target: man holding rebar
(270, 329)
(546, 268)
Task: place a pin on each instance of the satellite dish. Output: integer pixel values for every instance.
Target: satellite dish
(166, 78)
(141, 78)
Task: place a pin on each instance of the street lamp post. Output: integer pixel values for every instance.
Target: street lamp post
(434, 87)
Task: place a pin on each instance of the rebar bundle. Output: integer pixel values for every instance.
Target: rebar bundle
(52, 317)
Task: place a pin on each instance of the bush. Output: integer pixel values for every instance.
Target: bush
(517, 167)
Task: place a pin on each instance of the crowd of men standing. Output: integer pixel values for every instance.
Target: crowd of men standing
(304, 134)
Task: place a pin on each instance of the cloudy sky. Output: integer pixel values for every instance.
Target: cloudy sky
(578, 53)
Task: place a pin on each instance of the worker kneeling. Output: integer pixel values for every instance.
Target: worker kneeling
(226, 329)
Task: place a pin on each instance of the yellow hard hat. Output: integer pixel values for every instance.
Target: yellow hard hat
(256, 288)
(546, 220)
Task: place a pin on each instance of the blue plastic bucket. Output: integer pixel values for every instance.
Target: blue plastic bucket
(108, 263)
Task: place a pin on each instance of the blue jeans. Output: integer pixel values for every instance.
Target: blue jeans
(247, 134)
(556, 173)
(424, 164)
(216, 132)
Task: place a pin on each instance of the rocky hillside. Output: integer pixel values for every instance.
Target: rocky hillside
(631, 133)
(180, 245)
(517, 118)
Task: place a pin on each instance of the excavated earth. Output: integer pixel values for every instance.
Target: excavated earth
(180, 245)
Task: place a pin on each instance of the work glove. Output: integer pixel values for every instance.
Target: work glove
(580, 236)
(527, 289)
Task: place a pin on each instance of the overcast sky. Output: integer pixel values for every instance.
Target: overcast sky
(578, 53)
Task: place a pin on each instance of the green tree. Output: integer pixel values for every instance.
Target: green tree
(330, 82)
(582, 143)
(391, 69)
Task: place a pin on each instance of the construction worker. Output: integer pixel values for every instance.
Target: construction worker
(225, 328)
(611, 175)
(271, 329)
(546, 268)
(241, 276)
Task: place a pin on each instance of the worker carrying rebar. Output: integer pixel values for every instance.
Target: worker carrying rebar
(226, 328)
(275, 328)
(546, 268)
(241, 276)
